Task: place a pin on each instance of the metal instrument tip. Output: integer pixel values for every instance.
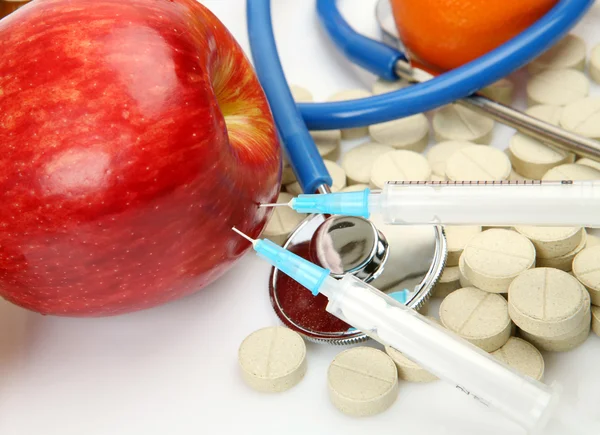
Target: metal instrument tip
(278, 204)
(244, 235)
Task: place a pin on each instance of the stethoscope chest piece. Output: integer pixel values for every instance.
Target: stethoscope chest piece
(392, 258)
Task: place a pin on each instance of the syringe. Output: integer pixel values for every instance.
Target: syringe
(471, 370)
(502, 203)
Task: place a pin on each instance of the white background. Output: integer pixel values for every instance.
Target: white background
(173, 370)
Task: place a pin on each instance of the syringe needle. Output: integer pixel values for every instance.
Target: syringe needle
(278, 204)
(244, 235)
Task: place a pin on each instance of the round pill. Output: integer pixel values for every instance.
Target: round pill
(551, 242)
(382, 86)
(328, 143)
(409, 133)
(596, 320)
(589, 162)
(407, 369)
(399, 165)
(300, 94)
(563, 342)
(563, 262)
(441, 152)
(273, 359)
(355, 188)
(569, 52)
(583, 117)
(592, 240)
(447, 282)
(495, 257)
(283, 221)
(595, 64)
(547, 302)
(458, 123)
(586, 268)
(457, 238)
(532, 158)
(359, 161)
(477, 316)
(337, 174)
(557, 87)
(500, 91)
(477, 163)
(464, 282)
(549, 114)
(362, 381)
(573, 172)
(523, 357)
(352, 94)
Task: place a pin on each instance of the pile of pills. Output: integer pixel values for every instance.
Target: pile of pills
(513, 292)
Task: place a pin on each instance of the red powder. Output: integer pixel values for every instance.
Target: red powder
(299, 304)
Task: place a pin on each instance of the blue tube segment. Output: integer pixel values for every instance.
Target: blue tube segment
(446, 88)
(374, 56)
(340, 203)
(297, 142)
(303, 271)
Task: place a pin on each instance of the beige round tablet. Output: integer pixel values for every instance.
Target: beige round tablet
(337, 174)
(583, 117)
(563, 342)
(448, 281)
(355, 188)
(441, 152)
(409, 133)
(547, 302)
(495, 257)
(595, 64)
(477, 316)
(382, 86)
(328, 143)
(464, 282)
(458, 123)
(569, 52)
(362, 381)
(500, 91)
(532, 158)
(352, 94)
(477, 163)
(596, 320)
(523, 357)
(514, 176)
(551, 242)
(457, 238)
(557, 87)
(399, 165)
(359, 161)
(301, 95)
(407, 369)
(571, 171)
(273, 359)
(283, 221)
(565, 261)
(592, 240)
(549, 114)
(589, 162)
(586, 268)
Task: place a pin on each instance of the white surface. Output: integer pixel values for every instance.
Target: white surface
(173, 370)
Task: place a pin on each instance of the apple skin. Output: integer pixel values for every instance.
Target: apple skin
(133, 135)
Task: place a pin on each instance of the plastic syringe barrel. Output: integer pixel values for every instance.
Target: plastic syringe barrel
(558, 203)
(474, 372)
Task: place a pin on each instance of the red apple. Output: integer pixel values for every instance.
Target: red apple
(133, 136)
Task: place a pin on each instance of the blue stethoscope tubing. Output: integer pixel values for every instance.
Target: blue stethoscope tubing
(294, 121)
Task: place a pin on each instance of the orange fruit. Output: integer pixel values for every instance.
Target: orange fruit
(444, 34)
